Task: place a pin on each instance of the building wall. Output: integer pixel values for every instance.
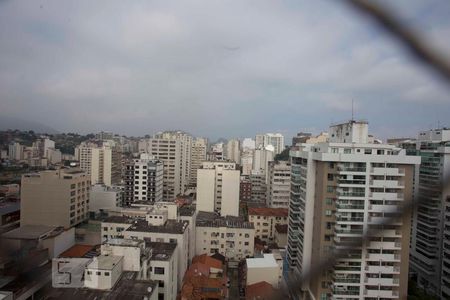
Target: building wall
(230, 193)
(182, 251)
(279, 184)
(103, 197)
(206, 190)
(268, 274)
(265, 226)
(233, 243)
(54, 198)
(169, 278)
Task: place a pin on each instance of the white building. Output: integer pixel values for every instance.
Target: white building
(143, 179)
(217, 152)
(247, 162)
(198, 156)
(230, 236)
(274, 139)
(339, 190)
(173, 148)
(430, 238)
(248, 144)
(218, 188)
(264, 268)
(104, 197)
(15, 151)
(265, 220)
(103, 272)
(101, 161)
(279, 184)
(262, 157)
(164, 268)
(233, 151)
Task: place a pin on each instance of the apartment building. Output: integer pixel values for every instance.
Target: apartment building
(279, 184)
(430, 241)
(143, 179)
(233, 151)
(247, 161)
(341, 189)
(54, 198)
(104, 197)
(155, 228)
(198, 156)
(274, 139)
(245, 189)
(265, 219)
(218, 188)
(229, 236)
(261, 158)
(173, 148)
(101, 161)
(259, 188)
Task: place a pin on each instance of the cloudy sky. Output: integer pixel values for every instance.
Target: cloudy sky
(216, 68)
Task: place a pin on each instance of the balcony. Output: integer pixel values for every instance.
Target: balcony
(382, 281)
(383, 257)
(380, 293)
(386, 196)
(387, 171)
(382, 269)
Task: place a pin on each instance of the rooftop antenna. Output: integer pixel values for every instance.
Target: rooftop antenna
(352, 111)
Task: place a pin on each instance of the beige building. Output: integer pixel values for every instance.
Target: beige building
(218, 188)
(173, 148)
(279, 184)
(233, 150)
(198, 156)
(265, 219)
(265, 269)
(230, 236)
(101, 161)
(339, 190)
(54, 198)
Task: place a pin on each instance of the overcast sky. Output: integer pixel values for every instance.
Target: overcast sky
(216, 68)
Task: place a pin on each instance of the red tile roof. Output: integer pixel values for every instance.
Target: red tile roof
(208, 260)
(259, 291)
(281, 228)
(77, 251)
(267, 211)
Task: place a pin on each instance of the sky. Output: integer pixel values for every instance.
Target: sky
(228, 68)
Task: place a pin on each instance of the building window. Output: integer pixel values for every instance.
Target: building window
(159, 270)
(98, 273)
(161, 283)
(328, 212)
(106, 273)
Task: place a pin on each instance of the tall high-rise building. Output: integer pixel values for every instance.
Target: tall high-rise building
(198, 156)
(15, 151)
(279, 184)
(248, 144)
(340, 190)
(143, 179)
(430, 242)
(274, 139)
(54, 198)
(261, 158)
(218, 188)
(247, 162)
(101, 161)
(233, 151)
(173, 148)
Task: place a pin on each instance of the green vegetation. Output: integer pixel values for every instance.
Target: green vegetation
(284, 155)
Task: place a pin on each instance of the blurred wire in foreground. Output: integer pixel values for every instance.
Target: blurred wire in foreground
(407, 36)
(416, 45)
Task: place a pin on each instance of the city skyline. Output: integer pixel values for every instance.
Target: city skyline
(241, 69)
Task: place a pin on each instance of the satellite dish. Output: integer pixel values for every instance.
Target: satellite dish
(149, 289)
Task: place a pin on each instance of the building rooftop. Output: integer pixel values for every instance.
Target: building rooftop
(77, 251)
(260, 290)
(33, 232)
(210, 219)
(104, 262)
(268, 261)
(161, 251)
(7, 207)
(128, 287)
(124, 242)
(171, 226)
(187, 210)
(208, 261)
(119, 219)
(268, 212)
(281, 228)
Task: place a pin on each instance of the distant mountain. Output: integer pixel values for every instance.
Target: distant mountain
(7, 122)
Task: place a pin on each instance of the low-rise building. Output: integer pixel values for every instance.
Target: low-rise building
(103, 272)
(230, 236)
(265, 219)
(281, 235)
(164, 268)
(104, 197)
(263, 268)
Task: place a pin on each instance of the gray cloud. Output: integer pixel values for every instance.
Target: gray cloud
(215, 68)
